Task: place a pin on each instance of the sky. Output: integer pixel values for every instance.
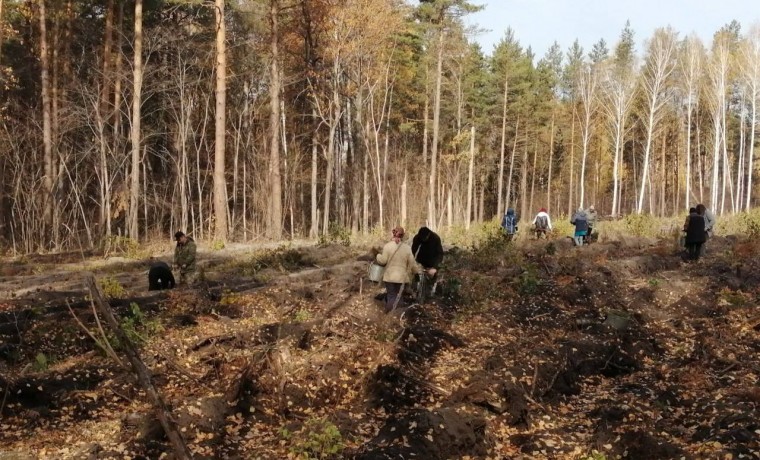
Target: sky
(538, 23)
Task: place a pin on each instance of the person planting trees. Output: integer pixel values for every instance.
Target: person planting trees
(695, 233)
(710, 221)
(428, 252)
(580, 220)
(542, 223)
(184, 258)
(509, 223)
(591, 216)
(398, 260)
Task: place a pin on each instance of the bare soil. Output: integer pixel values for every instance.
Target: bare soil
(615, 350)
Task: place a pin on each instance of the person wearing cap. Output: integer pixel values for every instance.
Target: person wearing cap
(184, 258)
(398, 260)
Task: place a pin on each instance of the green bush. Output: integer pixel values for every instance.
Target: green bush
(217, 245)
(282, 258)
(528, 282)
(112, 288)
(318, 439)
(137, 327)
(122, 246)
(335, 234)
(41, 362)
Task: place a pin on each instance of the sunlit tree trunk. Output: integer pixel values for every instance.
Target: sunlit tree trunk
(220, 126)
(47, 138)
(436, 127)
(470, 173)
(134, 190)
(500, 181)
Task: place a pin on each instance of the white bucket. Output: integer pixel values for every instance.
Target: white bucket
(375, 272)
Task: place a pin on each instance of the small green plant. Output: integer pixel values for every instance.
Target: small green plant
(551, 249)
(335, 234)
(528, 281)
(217, 245)
(137, 327)
(654, 283)
(595, 455)
(41, 362)
(112, 289)
(318, 439)
(302, 316)
(122, 246)
(642, 224)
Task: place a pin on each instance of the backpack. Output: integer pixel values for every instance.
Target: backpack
(542, 222)
(510, 224)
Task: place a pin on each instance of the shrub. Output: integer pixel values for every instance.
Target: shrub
(528, 281)
(317, 439)
(136, 327)
(217, 245)
(282, 258)
(335, 234)
(122, 246)
(41, 362)
(112, 289)
(302, 316)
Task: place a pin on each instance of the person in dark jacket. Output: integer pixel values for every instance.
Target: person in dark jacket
(428, 252)
(580, 220)
(509, 223)
(695, 233)
(160, 277)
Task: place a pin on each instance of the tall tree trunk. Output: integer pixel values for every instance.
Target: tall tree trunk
(570, 189)
(274, 216)
(508, 196)
(314, 230)
(47, 138)
(134, 191)
(524, 178)
(533, 174)
(103, 118)
(751, 154)
(551, 165)
(471, 171)
(436, 126)
(220, 126)
(500, 181)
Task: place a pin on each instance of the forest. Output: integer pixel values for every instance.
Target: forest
(294, 118)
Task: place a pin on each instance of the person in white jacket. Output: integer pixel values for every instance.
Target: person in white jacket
(542, 223)
(400, 267)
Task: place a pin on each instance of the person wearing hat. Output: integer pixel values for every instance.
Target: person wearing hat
(399, 263)
(184, 258)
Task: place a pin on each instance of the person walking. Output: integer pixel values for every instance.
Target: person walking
(542, 223)
(509, 223)
(399, 264)
(694, 227)
(184, 259)
(591, 216)
(580, 220)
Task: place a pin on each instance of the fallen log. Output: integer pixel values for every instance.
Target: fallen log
(181, 450)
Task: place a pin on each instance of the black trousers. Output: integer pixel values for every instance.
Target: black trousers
(694, 250)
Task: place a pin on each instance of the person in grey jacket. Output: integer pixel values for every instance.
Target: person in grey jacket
(591, 220)
(710, 221)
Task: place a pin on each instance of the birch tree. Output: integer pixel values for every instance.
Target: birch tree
(750, 68)
(690, 66)
(658, 67)
(587, 89)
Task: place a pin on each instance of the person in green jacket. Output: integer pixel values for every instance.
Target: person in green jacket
(184, 258)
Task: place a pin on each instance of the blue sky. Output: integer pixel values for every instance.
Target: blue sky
(539, 23)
